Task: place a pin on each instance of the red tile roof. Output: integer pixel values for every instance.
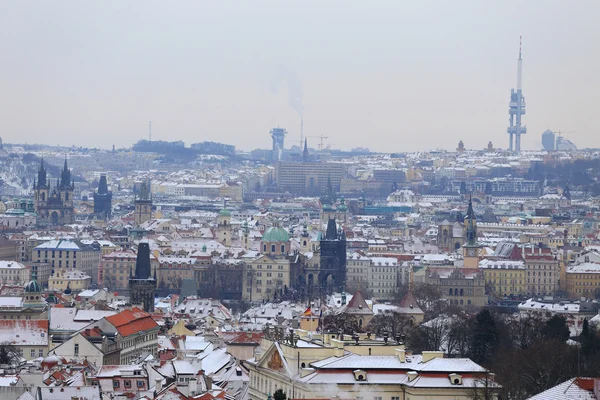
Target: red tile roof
(585, 383)
(131, 321)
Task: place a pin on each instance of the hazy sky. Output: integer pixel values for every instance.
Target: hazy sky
(388, 75)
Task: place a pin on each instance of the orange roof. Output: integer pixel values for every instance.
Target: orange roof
(131, 321)
(585, 383)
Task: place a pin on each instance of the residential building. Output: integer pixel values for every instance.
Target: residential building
(14, 273)
(29, 337)
(357, 272)
(68, 255)
(122, 379)
(383, 277)
(69, 281)
(583, 280)
(137, 333)
(504, 278)
(90, 344)
(543, 273)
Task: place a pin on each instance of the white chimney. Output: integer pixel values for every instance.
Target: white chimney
(193, 387)
(158, 385)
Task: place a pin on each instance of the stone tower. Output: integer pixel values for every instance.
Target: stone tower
(143, 204)
(103, 199)
(471, 247)
(142, 285)
(224, 227)
(333, 257)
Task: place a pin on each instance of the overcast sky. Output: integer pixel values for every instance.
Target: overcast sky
(388, 75)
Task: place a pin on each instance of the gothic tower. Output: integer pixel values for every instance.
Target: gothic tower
(103, 199)
(54, 205)
(143, 204)
(471, 248)
(142, 285)
(333, 257)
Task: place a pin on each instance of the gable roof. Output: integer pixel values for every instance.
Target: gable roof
(131, 321)
(409, 304)
(357, 305)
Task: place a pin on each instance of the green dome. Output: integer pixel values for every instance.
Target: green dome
(225, 213)
(33, 287)
(342, 207)
(276, 234)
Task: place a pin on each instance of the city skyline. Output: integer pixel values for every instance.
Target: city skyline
(391, 77)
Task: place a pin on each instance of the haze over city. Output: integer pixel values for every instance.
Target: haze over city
(390, 75)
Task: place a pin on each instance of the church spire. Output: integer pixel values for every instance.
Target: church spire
(305, 152)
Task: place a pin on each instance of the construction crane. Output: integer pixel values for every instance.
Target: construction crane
(321, 138)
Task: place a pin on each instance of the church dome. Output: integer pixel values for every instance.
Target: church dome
(33, 287)
(276, 234)
(225, 213)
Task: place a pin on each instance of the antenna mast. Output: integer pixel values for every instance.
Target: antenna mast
(301, 131)
(149, 131)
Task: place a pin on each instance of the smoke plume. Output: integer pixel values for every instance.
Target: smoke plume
(291, 79)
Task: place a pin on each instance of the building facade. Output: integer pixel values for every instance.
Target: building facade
(68, 255)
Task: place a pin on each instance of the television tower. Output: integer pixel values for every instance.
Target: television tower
(516, 108)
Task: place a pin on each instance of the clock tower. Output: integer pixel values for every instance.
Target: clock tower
(471, 247)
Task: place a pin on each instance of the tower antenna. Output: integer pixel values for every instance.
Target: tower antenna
(149, 131)
(301, 131)
(516, 108)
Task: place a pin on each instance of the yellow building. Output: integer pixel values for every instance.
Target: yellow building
(62, 279)
(583, 280)
(504, 278)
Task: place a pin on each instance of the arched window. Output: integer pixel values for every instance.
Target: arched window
(469, 302)
(450, 292)
(43, 196)
(461, 302)
(456, 292)
(272, 248)
(462, 292)
(283, 248)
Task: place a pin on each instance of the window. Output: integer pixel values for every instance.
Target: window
(140, 384)
(32, 353)
(127, 383)
(76, 350)
(116, 384)
(41, 353)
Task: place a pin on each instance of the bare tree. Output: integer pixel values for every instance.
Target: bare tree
(485, 388)
(394, 323)
(9, 355)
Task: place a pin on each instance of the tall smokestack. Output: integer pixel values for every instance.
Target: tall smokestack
(301, 131)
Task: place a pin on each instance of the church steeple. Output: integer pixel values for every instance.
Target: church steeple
(41, 181)
(65, 176)
(305, 151)
(471, 225)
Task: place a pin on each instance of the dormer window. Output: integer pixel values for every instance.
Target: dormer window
(455, 379)
(360, 375)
